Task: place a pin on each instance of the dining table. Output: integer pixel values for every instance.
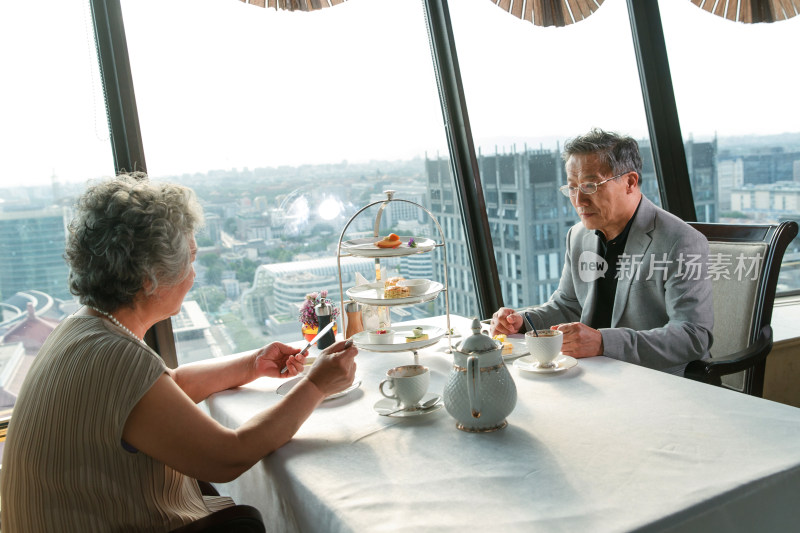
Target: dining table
(602, 446)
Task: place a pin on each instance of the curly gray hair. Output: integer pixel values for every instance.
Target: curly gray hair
(127, 231)
(619, 152)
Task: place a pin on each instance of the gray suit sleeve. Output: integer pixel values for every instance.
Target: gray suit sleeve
(563, 305)
(687, 299)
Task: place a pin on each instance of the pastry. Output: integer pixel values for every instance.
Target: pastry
(396, 292)
(391, 282)
(390, 241)
(416, 335)
(507, 346)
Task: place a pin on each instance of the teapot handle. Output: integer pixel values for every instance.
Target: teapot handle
(474, 386)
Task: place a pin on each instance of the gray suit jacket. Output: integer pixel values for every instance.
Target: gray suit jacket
(663, 312)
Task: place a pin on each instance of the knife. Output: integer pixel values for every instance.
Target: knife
(319, 335)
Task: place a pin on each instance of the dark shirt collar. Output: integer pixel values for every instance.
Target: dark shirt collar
(622, 237)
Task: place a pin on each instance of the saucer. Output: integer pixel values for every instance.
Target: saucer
(386, 405)
(284, 389)
(529, 364)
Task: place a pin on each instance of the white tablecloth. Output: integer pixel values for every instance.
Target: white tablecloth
(605, 446)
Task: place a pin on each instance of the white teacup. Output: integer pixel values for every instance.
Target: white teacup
(409, 383)
(546, 347)
(416, 286)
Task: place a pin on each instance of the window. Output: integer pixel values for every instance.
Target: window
(738, 113)
(286, 124)
(54, 137)
(529, 89)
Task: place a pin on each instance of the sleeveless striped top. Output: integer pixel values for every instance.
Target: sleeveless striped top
(64, 464)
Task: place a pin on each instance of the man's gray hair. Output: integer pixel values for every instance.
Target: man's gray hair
(129, 231)
(619, 152)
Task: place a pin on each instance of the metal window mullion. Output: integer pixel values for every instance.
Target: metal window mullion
(669, 156)
(123, 123)
(115, 68)
(463, 161)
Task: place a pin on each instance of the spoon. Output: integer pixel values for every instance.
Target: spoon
(430, 403)
(528, 320)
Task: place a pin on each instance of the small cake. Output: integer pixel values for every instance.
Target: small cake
(390, 241)
(391, 282)
(507, 346)
(416, 335)
(396, 292)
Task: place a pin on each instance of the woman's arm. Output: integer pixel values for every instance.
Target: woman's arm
(168, 426)
(202, 379)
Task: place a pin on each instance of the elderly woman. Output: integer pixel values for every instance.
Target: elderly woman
(104, 436)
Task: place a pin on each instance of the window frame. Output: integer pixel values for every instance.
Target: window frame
(661, 115)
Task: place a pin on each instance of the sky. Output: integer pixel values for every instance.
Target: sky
(220, 84)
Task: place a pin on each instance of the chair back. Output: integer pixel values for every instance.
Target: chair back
(744, 263)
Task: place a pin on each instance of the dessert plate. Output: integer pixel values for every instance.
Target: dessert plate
(386, 406)
(367, 248)
(284, 389)
(518, 346)
(529, 364)
(361, 339)
(372, 294)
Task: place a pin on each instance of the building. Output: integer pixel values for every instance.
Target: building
(31, 251)
(701, 158)
(276, 285)
(767, 201)
(730, 172)
(528, 219)
(195, 339)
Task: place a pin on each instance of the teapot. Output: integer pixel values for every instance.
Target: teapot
(480, 392)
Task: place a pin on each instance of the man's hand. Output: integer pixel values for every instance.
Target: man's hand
(580, 340)
(505, 321)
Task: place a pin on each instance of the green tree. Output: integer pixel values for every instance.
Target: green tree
(210, 260)
(209, 298)
(204, 240)
(214, 274)
(240, 334)
(246, 270)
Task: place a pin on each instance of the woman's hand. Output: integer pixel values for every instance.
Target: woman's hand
(269, 360)
(335, 368)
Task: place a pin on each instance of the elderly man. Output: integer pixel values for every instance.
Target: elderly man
(634, 282)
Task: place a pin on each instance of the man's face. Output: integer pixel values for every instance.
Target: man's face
(608, 209)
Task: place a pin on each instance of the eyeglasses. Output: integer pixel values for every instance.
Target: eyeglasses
(589, 187)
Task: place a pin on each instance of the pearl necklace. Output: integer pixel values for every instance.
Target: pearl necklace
(116, 322)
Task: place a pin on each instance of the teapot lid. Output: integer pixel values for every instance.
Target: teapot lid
(478, 342)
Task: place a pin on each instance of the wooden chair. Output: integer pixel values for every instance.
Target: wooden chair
(743, 301)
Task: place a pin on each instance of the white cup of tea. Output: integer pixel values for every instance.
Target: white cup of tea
(408, 383)
(546, 347)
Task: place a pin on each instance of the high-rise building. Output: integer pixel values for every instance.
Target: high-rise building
(528, 219)
(701, 158)
(32, 251)
(461, 290)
